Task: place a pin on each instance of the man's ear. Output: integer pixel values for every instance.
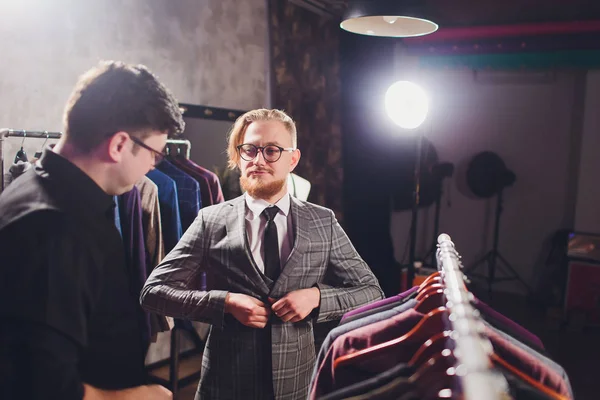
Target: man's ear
(116, 146)
(295, 159)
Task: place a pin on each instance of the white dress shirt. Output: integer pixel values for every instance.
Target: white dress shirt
(256, 224)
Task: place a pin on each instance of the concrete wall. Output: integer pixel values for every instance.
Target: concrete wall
(209, 52)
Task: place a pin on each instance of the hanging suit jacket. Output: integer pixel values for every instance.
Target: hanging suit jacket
(234, 359)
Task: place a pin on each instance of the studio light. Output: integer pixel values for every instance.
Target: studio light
(406, 104)
(389, 18)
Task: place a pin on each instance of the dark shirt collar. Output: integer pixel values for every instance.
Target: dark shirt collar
(82, 193)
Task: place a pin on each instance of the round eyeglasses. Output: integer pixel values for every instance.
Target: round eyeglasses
(271, 153)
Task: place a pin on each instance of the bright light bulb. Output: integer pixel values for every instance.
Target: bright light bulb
(390, 19)
(406, 104)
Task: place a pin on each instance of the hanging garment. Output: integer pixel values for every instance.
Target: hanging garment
(350, 326)
(169, 208)
(153, 239)
(16, 170)
(379, 306)
(117, 216)
(130, 210)
(212, 179)
(205, 190)
(188, 192)
(151, 222)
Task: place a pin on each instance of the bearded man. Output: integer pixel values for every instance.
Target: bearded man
(279, 265)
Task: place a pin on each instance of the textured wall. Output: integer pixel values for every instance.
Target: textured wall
(208, 52)
(305, 62)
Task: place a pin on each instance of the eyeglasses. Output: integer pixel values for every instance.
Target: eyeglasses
(271, 153)
(158, 156)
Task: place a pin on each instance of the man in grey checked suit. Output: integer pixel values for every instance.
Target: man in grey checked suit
(261, 311)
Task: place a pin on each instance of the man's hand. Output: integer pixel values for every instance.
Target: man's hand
(296, 305)
(248, 310)
(156, 392)
(147, 392)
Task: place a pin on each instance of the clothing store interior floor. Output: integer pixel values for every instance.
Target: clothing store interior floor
(577, 350)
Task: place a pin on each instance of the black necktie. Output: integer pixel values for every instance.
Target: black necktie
(271, 244)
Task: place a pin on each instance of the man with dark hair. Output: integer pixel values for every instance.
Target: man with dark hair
(68, 308)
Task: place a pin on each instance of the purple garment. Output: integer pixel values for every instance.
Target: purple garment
(380, 303)
(130, 210)
(512, 327)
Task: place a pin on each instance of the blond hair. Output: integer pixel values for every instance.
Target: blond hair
(236, 135)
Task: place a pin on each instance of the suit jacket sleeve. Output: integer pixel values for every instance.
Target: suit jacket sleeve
(349, 282)
(169, 289)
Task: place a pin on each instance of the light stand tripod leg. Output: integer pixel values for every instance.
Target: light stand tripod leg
(436, 228)
(476, 264)
(495, 259)
(515, 274)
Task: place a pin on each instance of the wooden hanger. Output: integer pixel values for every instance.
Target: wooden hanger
(435, 321)
(431, 377)
(430, 348)
(538, 385)
(428, 290)
(435, 277)
(439, 343)
(431, 301)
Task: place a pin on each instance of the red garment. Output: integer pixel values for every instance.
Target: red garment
(210, 187)
(527, 363)
(328, 379)
(213, 181)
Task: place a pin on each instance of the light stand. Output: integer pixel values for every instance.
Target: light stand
(440, 172)
(493, 257)
(410, 275)
(488, 176)
(407, 105)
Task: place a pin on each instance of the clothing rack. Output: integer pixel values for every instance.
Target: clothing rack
(5, 133)
(175, 357)
(476, 377)
(180, 142)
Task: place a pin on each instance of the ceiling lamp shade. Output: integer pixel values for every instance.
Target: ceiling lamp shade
(388, 18)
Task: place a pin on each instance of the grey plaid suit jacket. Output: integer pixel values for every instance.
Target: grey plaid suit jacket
(234, 364)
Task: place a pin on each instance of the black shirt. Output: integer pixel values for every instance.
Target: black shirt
(67, 309)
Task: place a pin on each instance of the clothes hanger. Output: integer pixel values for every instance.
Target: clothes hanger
(38, 154)
(497, 360)
(433, 277)
(443, 341)
(434, 321)
(431, 347)
(432, 376)
(21, 155)
(428, 290)
(430, 301)
(420, 382)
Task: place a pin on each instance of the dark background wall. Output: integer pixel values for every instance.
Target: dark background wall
(305, 83)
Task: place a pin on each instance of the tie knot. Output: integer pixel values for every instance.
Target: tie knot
(270, 212)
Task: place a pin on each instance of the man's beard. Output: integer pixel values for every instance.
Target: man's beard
(259, 189)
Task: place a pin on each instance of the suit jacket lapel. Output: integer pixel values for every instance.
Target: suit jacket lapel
(236, 233)
(301, 223)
